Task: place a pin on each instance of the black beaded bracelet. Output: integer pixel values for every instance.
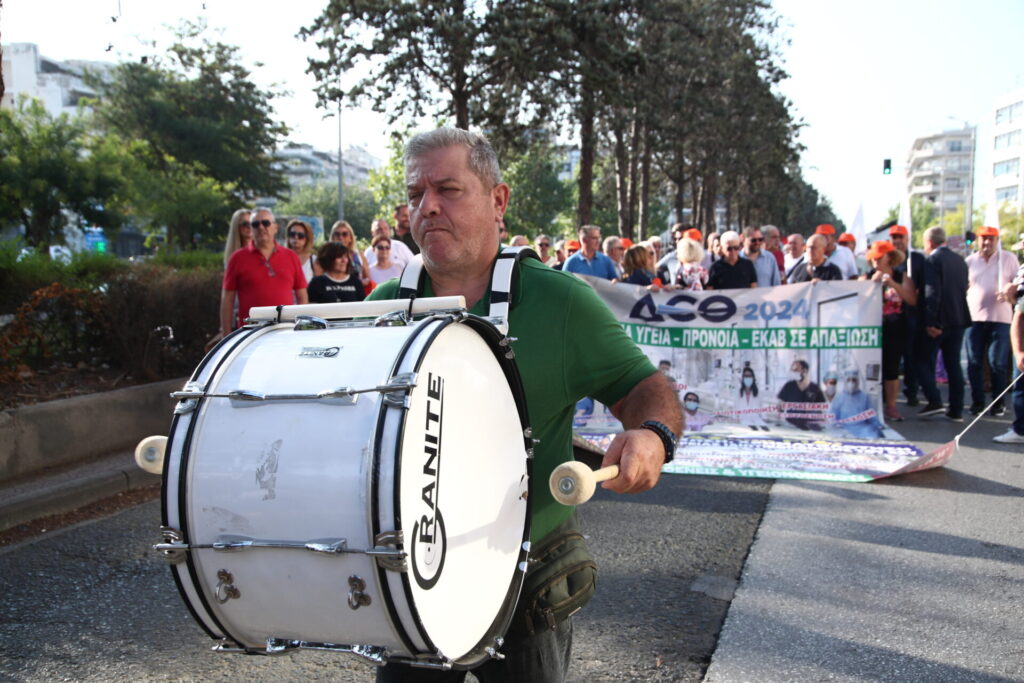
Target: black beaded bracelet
(668, 438)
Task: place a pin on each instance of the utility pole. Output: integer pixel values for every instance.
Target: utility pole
(341, 171)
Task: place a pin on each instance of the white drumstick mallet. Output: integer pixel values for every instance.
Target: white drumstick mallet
(149, 454)
(573, 483)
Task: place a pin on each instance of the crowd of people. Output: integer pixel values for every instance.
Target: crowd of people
(934, 301)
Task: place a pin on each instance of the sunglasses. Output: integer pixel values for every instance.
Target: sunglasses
(544, 244)
(756, 239)
(382, 248)
(732, 248)
(263, 223)
(244, 224)
(297, 235)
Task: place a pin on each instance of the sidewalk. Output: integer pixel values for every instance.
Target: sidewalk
(917, 578)
(69, 489)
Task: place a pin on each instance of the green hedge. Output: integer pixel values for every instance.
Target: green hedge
(149, 319)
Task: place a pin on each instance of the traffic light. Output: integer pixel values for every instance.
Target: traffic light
(886, 166)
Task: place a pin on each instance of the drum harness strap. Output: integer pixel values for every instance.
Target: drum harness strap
(504, 275)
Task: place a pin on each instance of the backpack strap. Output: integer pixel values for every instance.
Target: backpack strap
(504, 276)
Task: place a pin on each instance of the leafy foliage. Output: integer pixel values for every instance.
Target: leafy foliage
(50, 167)
(199, 128)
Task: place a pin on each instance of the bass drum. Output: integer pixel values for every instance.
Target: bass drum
(353, 488)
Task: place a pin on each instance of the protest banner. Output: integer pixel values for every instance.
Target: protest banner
(775, 382)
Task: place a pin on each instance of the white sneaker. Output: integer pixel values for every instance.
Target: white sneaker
(1009, 437)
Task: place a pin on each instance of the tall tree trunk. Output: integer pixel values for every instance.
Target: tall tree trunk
(645, 184)
(586, 176)
(710, 198)
(621, 181)
(634, 157)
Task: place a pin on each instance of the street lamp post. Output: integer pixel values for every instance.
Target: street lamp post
(341, 171)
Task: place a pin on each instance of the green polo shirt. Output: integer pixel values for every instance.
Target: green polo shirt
(568, 345)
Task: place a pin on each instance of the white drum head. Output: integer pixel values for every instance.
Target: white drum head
(462, 491)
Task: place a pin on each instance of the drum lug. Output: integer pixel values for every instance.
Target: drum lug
(309, 322)
(374, 654)
(492, 652)
(396, 391)
(393, 319)
(388, 542)
(172, 549)
(188, 397)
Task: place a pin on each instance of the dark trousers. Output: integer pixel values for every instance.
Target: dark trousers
(543, 658)
(994, 337)
(912, 348)
(951, 342)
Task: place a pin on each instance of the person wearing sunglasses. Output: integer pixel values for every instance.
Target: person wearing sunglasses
(343, 232)
(731, 271)
(384, 269)
(765, 265)
(264, 275)
(543, 246)
(400, 253)
(300, 240)
(239, 234)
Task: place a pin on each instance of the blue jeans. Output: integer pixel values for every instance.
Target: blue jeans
(951, 342)
(996, 338)
(1018, 403)
(542, 658)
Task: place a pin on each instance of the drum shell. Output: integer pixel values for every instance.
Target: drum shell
(305, 470)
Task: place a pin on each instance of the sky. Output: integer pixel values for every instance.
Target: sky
(866, 77)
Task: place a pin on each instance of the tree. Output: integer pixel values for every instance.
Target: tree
(414, 51)
(322, 200)
(922, 216)
(387, 184)
(52, 168)
(538, 194)
(196, 111)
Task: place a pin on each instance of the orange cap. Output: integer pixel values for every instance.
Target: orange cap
(987, 231)
(573, 244)
(825, 229)
(626, 242)
(898, 230)
(694, 234)
(847, 237)
(879, 249)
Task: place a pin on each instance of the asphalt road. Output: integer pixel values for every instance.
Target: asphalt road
(94, 603)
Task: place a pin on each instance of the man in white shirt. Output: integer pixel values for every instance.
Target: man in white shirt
(988, 272)
(794, 254)
(400, 254)
(841, 258)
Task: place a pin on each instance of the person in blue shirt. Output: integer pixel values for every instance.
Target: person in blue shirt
(851, 403)
(589, 260)
(765, 265)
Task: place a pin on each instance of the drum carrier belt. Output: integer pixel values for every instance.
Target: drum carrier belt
(504, 277)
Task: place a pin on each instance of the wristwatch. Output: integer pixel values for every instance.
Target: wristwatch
(668, 437)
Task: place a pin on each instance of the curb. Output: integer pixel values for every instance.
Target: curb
(70, 490)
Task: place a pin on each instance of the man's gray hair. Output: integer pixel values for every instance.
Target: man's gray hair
(482, 159)
(585, 229)
(729, 236)
(936, 235)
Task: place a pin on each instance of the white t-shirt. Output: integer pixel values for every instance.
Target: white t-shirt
(400, 254)
(379, 275)
(843, 259)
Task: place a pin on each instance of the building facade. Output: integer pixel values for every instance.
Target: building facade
(1008, 149)
(305, 165)
(940, 170)
(58, 84)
